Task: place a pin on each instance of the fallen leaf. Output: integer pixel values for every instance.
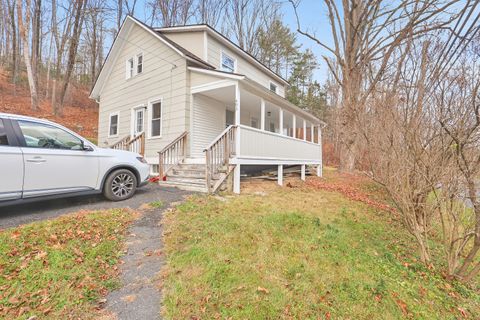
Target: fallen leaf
(263, 290)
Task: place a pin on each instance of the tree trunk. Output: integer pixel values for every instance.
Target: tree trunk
(11, 10)
(24, 31)
(72, 53)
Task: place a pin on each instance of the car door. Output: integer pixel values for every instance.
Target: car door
(11, 163)
(55, 161)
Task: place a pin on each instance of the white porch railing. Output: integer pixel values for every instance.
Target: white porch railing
(259, 144)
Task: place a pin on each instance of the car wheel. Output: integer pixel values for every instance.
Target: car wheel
(120, 185)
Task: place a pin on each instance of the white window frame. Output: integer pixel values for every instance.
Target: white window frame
(129, 72)
(133, 118)
(136, 63)
(110, 124)
(150, 117)
(270, 87)
(222, 53)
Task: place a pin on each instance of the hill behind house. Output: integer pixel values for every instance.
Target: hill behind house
(80, 113)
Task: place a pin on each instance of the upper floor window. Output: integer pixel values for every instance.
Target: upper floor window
(273, 87)
(228, 63)
(129, 68)
(140, 63)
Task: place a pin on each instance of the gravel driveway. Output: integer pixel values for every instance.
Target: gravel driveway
(12, 216)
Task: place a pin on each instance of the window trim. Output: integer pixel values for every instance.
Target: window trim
(136, 63)
(129, 73)
(110, 124)
(133, 115)
(151, 102)
(222, 53)
(270, 87)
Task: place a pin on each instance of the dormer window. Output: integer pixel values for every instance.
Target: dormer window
(273, 87)
(228, 63)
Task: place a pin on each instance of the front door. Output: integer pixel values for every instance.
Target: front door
(55, 162)
(138, 121)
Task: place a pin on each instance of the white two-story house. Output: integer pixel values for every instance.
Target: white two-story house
(199, 108)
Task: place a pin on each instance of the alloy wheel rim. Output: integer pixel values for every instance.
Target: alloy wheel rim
(122, 185)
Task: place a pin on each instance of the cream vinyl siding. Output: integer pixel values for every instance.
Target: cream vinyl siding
(192, 41)
(159, 79)
(243, 66)
(208, 122)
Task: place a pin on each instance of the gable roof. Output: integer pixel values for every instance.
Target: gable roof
(220, 37)
(121, 39)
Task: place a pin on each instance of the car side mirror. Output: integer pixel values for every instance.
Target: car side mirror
(86, 147)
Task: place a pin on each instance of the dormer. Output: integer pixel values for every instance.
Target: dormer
(218, 51)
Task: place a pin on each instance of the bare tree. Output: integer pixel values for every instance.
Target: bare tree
(78, 13)
(24, 29)
(459, 116)
(173, 12)
(365, 35)
(210, 12)
(245, 18)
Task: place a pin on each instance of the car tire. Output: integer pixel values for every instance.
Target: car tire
(120, 185)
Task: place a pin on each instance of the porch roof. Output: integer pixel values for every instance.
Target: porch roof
(261, 91)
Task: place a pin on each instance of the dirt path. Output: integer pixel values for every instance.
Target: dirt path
(140, 296)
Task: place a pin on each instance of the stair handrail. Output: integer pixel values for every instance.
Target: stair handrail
(120, 144)
(172, 154)
(137, 144)
(218, 153)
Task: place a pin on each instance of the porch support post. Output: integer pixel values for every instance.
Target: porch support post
(236, 179)
(294, 126)
(237, 105)
(320, 166)
(262, 114)
(302, 176)
(304, 130)
(280, 120)
(280, 175)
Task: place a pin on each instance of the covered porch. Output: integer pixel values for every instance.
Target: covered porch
(235, 121)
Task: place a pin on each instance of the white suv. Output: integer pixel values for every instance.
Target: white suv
(40, 159)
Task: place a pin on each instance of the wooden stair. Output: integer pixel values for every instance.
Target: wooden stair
(189, 177)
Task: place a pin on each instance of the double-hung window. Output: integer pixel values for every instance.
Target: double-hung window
(113, 125)
(156, 119)
(139, 63)
(228, 63)
(273, 87)
(130, 69)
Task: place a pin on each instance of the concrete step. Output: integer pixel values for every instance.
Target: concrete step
(183, 186)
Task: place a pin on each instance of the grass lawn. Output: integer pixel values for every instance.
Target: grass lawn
(299, 253)
(59, 269)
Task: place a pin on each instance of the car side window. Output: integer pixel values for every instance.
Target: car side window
(39, 135)
(3, 135)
